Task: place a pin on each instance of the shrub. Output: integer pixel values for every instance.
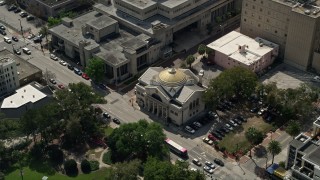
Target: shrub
(85, 166)
(37, 151)
(282, 164)
(56, 156)
(107, 158)
(94, 165)
(70, 166)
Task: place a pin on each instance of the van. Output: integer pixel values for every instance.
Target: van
(6, 39)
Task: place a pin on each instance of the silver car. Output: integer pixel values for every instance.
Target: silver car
(190, 130)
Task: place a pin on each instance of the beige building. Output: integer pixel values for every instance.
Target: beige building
(236, 49)
(172, 94)
(9, 80)
(293, 24)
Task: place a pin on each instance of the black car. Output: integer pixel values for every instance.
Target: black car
(2, 27)
(254, 109)
(241, 118)
(17, 51)
(29, 18)
(15, 38)
(3, 32)
(17, 10)
(106, 115)
(225, 130)
(115, 120)
(37, 39)
(12, 7)
(70, 67)
(217, 135)
(23, 14)
(220, 132)
(194, 127)
(102, 86)
(238, 121)
(225, 106)
(218, 161)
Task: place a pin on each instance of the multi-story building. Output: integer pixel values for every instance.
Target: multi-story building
(48, 8)
(293, 24)
(236, 49)
(304, 155)
(127, 39)
(171, 94)
(9, 80)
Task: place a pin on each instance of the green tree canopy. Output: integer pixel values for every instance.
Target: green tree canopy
(254, 136)
(237, 81)
(126, 170)
(293, 128)
(137, 140)
(164, 170)
(95, 69)
(202, 49)
(190, 59)
(274, 148)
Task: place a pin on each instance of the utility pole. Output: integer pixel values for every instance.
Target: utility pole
(21, 30)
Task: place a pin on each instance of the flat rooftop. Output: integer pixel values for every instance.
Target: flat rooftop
(141, 4)
(24, 68)
(23, 96)
(102, 22)
(314, 156)
(309, 7)
(229, 45)
(173, 3)
(54, 2)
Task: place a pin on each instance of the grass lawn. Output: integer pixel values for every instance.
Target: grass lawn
(237, 137)
(33, 175)
(108, 130)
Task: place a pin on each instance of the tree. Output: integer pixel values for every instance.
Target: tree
(53, 21)
(126, 170)
(137, 140)
(56, 155)
(202, 49)
(190, 59)
(44, 31)
(2, 176)
(70, 166)
(293, 128)
(274, 148)
(85, 166)
(95, 69)
(253, 136)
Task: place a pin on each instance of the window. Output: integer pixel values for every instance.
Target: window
(244, 19)
(190, 106)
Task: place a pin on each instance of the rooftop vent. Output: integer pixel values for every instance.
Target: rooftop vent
(21, 96)
(307, 12)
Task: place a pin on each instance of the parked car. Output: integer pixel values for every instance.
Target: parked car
(102, 86)
(63, 63)
(218, 161)
(53, 57)
(261, 111)
(70, 67)
(7, 40)
(217, 135)
(238, 121)
(14, 38)
(17, 51)
(23, 14)
(207, 140)
(85, 76)
(316, 79)
(220, 132)
(201, 72)
(241, 118)
(106, 115)
(2, 3)
(208, 169)
(196, 162)
(37, 39)
(210, 164)
(213, 138)
(228, 126)
(2, 27)
(61, 86)
(225, 130)
(30, 36)
(77, 71)
(213, 114)
(189, 130)
(254, 109)
(220, 108)
(17, 10)
(52, 81)
(29, 18)
(197, 124)
(3, 32)
(116, 120)
(234, 124)
(12, 7)
(193, 169)
(26, 51)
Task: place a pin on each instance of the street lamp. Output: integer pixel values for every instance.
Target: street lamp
(21, 29)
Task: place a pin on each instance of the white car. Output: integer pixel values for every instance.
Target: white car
(30, 36)
(228, 126)
(208, 169)
(233, 123)
(190, 130)
(63, 63)
(26, 50)
(210, 164)
(7, 40)
(316, 79)
(197, 124)
(261, 111)
(201, 72)
(52, 56)
(193, 169)
(2, 3)
(207, 140)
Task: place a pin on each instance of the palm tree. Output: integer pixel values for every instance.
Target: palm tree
(274, 148)
(250, 135)
(44, 31)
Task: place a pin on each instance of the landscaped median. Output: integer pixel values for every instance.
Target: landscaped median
(236, 141)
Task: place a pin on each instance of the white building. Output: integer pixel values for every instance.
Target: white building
(9, 80)
(172, 94)
(236, 49)
(27, 97)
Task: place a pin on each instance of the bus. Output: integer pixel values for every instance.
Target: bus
(176, 148)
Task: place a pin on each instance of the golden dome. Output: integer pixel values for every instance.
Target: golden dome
(172, 77)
